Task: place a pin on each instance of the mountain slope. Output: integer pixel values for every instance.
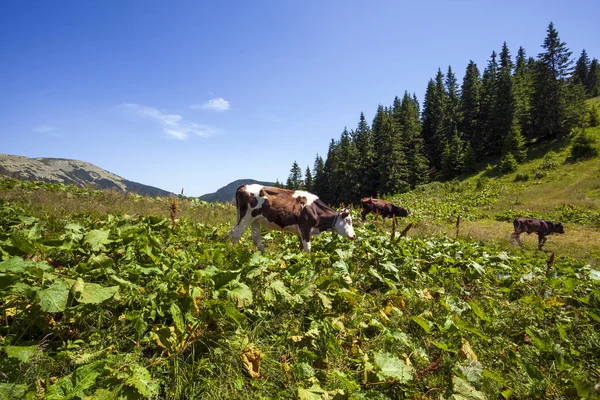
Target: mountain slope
(227, 192)
(71, 172)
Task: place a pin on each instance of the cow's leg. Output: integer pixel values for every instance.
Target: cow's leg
(238, 230)
(256, 236)
(364, 215)
(541, 241)
(305, 244)
(516, 236)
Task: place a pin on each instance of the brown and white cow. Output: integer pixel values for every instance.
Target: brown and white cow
(542, 227)
(293, 211)
(381, 207)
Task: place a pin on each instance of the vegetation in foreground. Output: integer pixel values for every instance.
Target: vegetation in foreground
(102, 296)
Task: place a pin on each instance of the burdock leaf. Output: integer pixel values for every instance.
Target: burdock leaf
(390, 366)
(54, 298)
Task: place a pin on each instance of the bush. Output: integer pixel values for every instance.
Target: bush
(540, 174)
(550, 161)
(508, 164)
(583, 147)
(521, 177)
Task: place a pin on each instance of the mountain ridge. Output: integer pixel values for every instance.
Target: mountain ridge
(71, 172)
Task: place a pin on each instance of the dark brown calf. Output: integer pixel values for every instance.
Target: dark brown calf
(381, 207)
(542, 227)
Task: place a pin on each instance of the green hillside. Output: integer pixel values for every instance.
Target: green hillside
(112, 295)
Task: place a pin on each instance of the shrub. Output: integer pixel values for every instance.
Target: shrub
(521, 177)
(593, 120)
(550, 161)
(508, 164)
(583, 147)
(540, 174)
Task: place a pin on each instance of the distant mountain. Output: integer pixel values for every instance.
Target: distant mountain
(71, 172)
(227, 193)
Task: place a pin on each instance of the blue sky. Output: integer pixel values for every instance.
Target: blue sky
(196, 94)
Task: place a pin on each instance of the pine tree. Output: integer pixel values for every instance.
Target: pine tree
(453, 114)
(319, 184)
(470, 159)
(502, 113)
(471, 104)
(409, 126)
(549, 99)
(453, 157)
(489, 94)
(592, 83)
(308, 180)
(294, 181)
(523, 89)
(434, 116)
(514, 144)
(363, 169)
(330, 180)
(582, 69)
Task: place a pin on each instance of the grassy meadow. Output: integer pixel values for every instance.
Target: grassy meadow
(106, 295)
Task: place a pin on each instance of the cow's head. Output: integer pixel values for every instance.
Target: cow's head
(558, 228)
(343, 224)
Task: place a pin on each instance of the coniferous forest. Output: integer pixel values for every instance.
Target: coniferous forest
(492, 116)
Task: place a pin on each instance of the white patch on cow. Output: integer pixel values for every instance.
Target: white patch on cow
(310, 198)
(343, 226)
(254, 189)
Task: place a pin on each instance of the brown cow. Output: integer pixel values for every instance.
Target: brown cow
(293, 211)
(542, 227)
(381, 207)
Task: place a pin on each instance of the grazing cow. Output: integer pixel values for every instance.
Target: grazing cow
(533, 225)
(381, 207)
(293, 211)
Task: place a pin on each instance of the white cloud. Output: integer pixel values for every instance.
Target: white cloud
(216, 104)
(44, 128)
(173, 124)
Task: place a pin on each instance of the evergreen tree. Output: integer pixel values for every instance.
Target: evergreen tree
(343, 168)
(434, 115)
(523, 89)
(363, 169)
(470, 159)
(453, 157)
(592, 84)
(549, 101)
(453, 114)
(582, 69)
(502, 113)
(330, 180)
(308, 180)
(471, 104)
(391, 163)
(294, 181)
(409, 126)
(319, 184)
(514, 144)
(489, 94)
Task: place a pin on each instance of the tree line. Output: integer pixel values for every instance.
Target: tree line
(491, 115)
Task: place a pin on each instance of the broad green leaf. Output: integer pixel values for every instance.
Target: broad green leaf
(100, 261)
(15, 265)
(470, 371)
(543, 344)
(94, 293)
(463, 390)
(141, 380)
(54, 298)
(464, 325)
(238, 292)
(97, 239)
(303, 370)
(21, 353)
(22, 244)
(423, 323)
(390, 366)
(278, 287)
(348, 382)
(85, 377)
(315, 392)
(325, 300)
(9, 391)
(177, 317)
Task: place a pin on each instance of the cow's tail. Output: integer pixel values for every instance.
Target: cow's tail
(237, 204)
(517, 225)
